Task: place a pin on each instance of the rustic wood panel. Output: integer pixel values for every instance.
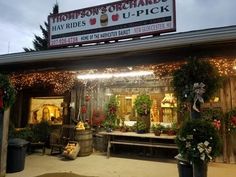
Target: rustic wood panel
(4, 124)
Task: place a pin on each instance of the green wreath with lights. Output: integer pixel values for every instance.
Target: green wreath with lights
(7, 93)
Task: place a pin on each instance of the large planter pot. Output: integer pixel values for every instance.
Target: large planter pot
(185, 169)
(200, 169)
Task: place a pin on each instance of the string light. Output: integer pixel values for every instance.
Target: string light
(59, 82)
(114, 75)
(63, 81)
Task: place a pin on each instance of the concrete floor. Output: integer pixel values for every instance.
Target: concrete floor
(98, 165)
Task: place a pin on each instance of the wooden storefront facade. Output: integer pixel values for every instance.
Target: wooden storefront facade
(218, 44)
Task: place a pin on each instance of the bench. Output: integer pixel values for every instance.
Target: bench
(134, 139)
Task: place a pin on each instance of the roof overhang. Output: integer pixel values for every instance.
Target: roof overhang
(85, 56)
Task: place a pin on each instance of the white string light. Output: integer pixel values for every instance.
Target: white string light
(115, 75)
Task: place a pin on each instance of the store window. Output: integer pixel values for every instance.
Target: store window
(45, 109)
(164, 107)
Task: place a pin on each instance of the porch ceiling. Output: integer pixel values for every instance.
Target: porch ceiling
(176, 46)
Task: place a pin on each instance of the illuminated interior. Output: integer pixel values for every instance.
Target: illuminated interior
(45, 109)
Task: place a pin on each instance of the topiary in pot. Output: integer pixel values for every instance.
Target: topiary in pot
(195, 72)
(143, 105)
(199, 142)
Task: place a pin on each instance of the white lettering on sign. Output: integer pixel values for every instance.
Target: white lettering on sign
(117, 20)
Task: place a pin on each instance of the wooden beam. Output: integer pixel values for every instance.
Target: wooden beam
(4, 124)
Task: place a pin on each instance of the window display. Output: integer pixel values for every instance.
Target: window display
(45, 109)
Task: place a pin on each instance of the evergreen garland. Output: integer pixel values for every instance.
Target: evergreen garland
(7, 93)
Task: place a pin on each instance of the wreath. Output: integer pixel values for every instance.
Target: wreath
(7, 93)
(230, 120)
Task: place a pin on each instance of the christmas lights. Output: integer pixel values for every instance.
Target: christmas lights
(62, 81)
(59, 82)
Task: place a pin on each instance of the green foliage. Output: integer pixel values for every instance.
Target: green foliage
(41, 43)
(140, 126)
(7, 93)
(23, 133)
(195, 71)
(111, 110)
(156, 127)
(230, 120)
(195, 133)
(143, 104)
(212, 114)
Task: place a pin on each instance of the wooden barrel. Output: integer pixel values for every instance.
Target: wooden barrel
(85, 139)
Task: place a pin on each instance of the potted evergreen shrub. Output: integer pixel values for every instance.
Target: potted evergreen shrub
(141, 127)
(193, 83)
(111, 117)
(199, 142)
(143, 105)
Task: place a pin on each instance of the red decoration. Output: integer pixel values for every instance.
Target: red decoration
(233, 120)
(98, 117)
(112, 109)
(83, 109)
(87, 98)
(217, 124)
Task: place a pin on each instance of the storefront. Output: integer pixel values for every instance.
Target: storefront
(62, 98)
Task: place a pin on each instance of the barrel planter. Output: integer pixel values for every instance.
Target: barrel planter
(85, 140)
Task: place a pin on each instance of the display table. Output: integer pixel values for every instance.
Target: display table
(135, 139)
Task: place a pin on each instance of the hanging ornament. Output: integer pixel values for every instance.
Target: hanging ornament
(87, 98)
(83, 109)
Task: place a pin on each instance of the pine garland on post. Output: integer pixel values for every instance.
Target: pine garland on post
(7, 93)
(7, 98)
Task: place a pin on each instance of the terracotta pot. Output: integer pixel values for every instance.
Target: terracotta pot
(157, 132)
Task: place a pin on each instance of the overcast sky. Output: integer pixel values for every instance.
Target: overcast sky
(20, 19)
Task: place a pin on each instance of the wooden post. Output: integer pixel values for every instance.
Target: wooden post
(4, 125)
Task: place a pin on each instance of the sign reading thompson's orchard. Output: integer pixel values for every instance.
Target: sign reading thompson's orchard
(118, 20)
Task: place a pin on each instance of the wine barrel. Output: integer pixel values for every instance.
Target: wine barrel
(85, 140)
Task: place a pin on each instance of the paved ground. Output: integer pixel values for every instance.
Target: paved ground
(98, 165)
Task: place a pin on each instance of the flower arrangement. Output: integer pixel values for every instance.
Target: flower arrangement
(7, 93)
(143, 104)
(198, 141)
